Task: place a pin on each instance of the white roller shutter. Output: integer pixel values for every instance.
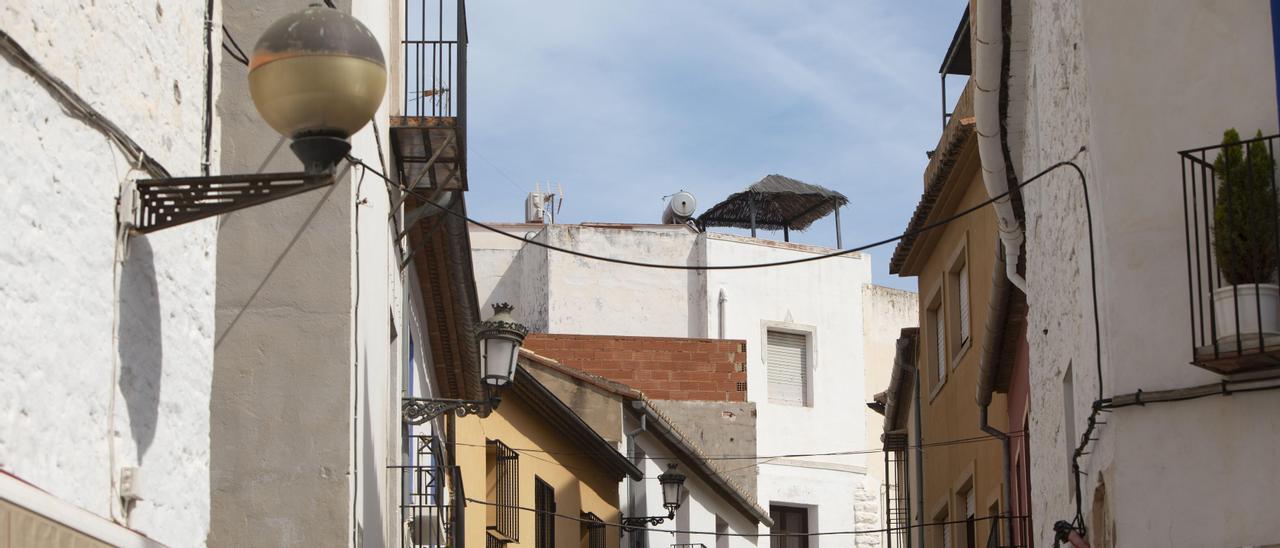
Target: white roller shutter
(964, 303)
(940, 332)
(787, 357)
(946, 536)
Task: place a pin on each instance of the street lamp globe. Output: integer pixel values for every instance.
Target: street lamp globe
(500, 337)
(317, 76)
(672, 487)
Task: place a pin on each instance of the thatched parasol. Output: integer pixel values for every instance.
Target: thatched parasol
(775, 203)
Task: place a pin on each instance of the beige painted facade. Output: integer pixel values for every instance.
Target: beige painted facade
(948, 411)
(582, 484)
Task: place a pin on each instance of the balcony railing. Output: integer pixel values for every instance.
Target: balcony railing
(1233, 242)
(428, 499)
(433, 56)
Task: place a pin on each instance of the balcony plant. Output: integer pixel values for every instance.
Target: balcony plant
(1245, 245)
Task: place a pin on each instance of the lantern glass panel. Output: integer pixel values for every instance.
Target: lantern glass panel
(499, 360)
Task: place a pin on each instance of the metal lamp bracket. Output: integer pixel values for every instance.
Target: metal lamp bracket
(163, 203)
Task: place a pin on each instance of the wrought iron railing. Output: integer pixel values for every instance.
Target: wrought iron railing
(427, 502)
(1233, 243)
(433, 57)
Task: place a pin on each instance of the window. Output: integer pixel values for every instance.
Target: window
(993, 537)
(503, 467)
(938, 340)
(958, 292)
(789, 520)
(544, 505)
(939, 534)
(592, 531)
(968, 529)
(787, 357)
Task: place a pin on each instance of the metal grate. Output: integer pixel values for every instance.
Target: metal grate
(506, 470)
(544, 504)
(592, 530)
(426, 506)
(434, 58)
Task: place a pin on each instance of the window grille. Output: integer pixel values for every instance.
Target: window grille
(787, 358)
(592, 531)
(506, 470)
(544, 504)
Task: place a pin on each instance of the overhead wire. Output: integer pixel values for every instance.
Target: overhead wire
(675, 531)
(839, 253)
(734, 457)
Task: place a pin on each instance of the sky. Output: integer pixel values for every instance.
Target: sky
(623, 102)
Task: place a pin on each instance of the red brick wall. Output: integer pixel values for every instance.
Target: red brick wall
(663, 368)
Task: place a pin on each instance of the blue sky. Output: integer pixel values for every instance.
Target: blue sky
(621, 102)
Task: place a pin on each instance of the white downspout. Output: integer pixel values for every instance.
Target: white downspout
(986, 108)
(724, 302)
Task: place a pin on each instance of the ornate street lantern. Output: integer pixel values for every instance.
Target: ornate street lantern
(672, 492)
(499, 339)
(672, 488)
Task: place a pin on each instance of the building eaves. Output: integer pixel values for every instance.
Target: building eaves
(565, 421)
(446, 281)
(690, 453)
(680, 443)
(959, 134)
(901, 380)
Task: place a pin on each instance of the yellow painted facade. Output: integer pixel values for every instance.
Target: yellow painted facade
(581, 483)
(967, 459)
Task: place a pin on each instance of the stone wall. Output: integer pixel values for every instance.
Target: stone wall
(139, 63)
(1058, 323)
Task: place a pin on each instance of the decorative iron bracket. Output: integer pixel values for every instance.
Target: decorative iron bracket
(163, 203)
(422, 410)
(631, 524)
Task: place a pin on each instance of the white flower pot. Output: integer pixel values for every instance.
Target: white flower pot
(1249, 297)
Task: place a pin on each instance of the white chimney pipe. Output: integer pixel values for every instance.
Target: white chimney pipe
(988, 46)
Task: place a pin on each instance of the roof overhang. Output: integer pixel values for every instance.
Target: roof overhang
(565, 421)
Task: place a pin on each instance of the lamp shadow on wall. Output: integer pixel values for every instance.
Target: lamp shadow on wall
(141, 343)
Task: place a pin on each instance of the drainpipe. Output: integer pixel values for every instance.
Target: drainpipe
(724, 304)
(1004, 440)
(919, 463)
(988, 57)
(631, 453)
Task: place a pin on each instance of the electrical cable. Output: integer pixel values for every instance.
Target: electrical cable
(238, 54)
(77, 107)
(598, 523)
(730, 457)
(864, 247)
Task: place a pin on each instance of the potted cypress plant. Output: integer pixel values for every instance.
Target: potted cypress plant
(1244, 233)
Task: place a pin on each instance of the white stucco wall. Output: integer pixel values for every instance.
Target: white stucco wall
(699, 511)
(141, 65)
(1133, 112)
(823, 298)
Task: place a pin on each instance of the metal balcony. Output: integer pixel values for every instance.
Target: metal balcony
(1233, 245)
(428, 136)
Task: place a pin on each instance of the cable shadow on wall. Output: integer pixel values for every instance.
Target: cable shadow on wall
(141, 348)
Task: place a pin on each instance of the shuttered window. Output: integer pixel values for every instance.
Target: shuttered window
(963, 297)
(787, 357)
(939, 325)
